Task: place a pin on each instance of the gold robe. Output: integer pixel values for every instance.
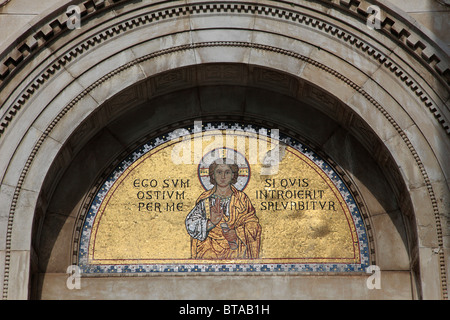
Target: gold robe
(242, 219)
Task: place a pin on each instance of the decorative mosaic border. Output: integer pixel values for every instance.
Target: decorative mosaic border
(87, 268)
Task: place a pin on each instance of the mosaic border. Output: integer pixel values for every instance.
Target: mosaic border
(87, 268)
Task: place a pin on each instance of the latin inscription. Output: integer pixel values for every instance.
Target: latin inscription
(164, 200)
(292, 194)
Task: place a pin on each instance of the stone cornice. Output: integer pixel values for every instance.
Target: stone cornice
(28, 48)
(394, 24)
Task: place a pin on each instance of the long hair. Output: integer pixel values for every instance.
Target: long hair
(234, 168)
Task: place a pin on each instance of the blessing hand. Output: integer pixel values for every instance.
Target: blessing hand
(216, 213)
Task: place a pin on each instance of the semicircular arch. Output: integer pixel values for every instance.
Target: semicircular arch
(88, 68)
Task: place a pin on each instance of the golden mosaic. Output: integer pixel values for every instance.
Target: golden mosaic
(221, 197)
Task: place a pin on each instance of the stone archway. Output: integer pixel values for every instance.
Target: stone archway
(73, 200)
(347, 70)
